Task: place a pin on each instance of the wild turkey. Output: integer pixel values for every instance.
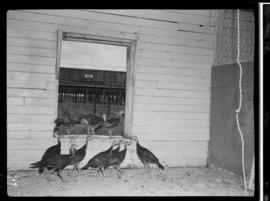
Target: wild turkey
(99, 160)
(51, 151)
(93, 121)
(66, 122)
(145, 155)
(59, 161)
(112, 122)
(79, 154)
(117, 156)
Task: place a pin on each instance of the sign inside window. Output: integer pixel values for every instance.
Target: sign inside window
(88, 76)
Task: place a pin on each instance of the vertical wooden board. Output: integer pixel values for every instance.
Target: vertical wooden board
(59, 48)
(132, 52)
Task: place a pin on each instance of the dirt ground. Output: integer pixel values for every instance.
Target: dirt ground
(133, 182)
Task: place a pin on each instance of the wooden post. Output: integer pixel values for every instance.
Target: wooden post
(58, 55)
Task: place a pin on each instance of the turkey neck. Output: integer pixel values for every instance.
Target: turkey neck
(86, 141)
(125, 148)
(137, 143)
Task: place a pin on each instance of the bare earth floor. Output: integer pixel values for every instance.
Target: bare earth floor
(133, 182)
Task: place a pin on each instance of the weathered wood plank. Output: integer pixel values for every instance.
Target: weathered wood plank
(144, 130)
(170, 122)
(40, 102)
(15, 101)
(31, 135)
(31, 43)
(112, 26)
(30, 126)
(171, 93)
(192, 12)
(173, 71)
(31, 68)
(171, 100)
(169, 63)
(171, 115)
(27, 84)
(176, 49)
(20, 33)
(29, 77)
(52, 86)
(175, 56)
(176, 136)
(31, 59)
(169, 85)
(159, 15)
(35, 93)
(171, 108)
(74, 29)
(31, 51)
(20, 23)
(176, 41)
(24, 118)
(170, 78)
(84, 14)
(31, 110)
(105, 17)
(181, 36)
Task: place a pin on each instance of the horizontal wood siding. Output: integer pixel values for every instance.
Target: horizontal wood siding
(172, 80)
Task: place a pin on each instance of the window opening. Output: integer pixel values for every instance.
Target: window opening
(92, 84)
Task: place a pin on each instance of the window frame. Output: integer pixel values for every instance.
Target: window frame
(131, 45)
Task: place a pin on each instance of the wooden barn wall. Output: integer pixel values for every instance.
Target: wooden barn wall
(171, 111)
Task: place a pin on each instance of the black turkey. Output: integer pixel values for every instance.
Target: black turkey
(99, 160)
(112, 122)
(66, 121)
(79, 154)
(117, 156)
(59, 161)
(51, 151)
(145, 155)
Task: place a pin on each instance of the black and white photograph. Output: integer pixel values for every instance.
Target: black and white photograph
(132, 102)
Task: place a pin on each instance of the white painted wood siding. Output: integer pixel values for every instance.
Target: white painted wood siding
(172, 80)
